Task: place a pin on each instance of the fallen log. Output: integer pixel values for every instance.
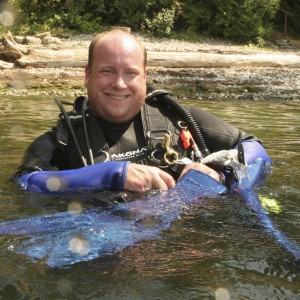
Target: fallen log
(77, 58)
(195, 60)
(10, 44)
(40, 58)
(24, 57)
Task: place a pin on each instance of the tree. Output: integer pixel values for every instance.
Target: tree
(247, 21)
(239, 20)
(293, 7)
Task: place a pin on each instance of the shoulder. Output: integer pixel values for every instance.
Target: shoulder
(194, 110)
(43, 143)
(202, 116)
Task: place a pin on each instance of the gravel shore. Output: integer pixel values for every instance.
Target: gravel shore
(167, 44)
(238, 83)
(161, 44)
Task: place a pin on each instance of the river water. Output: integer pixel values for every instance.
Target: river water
(215, 251)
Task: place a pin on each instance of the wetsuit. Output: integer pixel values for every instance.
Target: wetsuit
(51, 163)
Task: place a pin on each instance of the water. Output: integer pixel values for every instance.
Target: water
(217, 250)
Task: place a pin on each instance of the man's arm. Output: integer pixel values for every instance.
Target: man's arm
(109, 175)
(44, 170)
(218, 134)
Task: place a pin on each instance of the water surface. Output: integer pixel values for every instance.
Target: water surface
(216, 247)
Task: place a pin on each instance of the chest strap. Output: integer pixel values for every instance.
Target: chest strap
(159, 121)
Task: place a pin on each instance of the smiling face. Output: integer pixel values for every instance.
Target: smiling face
(116, 78)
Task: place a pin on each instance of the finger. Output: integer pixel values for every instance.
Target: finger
(142, 178)
(167, 179)
(216, 175)
(204, 169)
(160, 180)
(137, 178)
(186, 168)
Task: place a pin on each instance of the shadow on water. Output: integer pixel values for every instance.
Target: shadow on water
(215, 248)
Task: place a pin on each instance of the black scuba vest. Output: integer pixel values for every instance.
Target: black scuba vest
(141, 140)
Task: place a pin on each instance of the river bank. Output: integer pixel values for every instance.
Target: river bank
(207, 83)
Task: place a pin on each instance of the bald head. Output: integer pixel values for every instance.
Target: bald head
(117, 35)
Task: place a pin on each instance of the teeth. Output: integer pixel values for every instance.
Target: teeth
(118, 97)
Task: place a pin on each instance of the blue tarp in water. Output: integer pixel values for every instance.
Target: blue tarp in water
(65, 238)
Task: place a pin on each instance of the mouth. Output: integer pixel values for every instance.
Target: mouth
(117, 97)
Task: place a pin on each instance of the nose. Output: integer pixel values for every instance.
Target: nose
(119, 83)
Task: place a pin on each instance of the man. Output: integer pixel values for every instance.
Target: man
(112, 121)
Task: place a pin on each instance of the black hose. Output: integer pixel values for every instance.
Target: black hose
(65, 114)
(184, 114)
(86, 134)
(193, 126)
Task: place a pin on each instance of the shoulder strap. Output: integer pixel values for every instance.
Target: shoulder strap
(155, 125)
(66, 127)
(158, 121)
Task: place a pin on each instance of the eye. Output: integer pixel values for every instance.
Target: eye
(132, 73)
(106, 71)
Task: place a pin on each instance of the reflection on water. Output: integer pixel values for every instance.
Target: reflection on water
(215, 249)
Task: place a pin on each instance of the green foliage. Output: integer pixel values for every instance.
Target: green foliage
(161, 24)
(84, 16)
(245, 21)
(87, 16)
(195, 16)
(60, 15)
(293, 24)
(133, 13)
(238, 20)
(123, 13)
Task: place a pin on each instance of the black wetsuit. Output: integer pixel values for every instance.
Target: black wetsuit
(120, 142)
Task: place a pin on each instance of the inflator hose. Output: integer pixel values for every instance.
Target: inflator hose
(183, 113)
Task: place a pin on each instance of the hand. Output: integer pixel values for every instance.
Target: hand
(204, 169)
(141, 178)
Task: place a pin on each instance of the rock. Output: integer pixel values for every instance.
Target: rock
(51, 40)
(10, 55)
(20, 39)
(219, 71)
(31, 40)
(283, 44)
(6, 65)
(43, 35)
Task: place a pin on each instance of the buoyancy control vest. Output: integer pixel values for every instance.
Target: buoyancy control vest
(154, 137)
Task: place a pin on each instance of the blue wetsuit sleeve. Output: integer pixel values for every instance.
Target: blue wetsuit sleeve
(108, 175)
(254, 150)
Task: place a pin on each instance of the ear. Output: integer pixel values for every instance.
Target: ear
(87, 74)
